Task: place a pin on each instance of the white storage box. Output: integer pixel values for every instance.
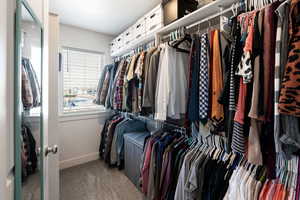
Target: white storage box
(128, 37)
(112, 50)
(120, 41)
(113, 46)
(154, 19)
(139, 29)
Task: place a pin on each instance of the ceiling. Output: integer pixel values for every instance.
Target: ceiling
(104, 16)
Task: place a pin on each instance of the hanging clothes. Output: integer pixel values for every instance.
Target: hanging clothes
(28, 153)
(111, 148)
(217, 111)
(171, 89)
(289, 99)
(237, 84)
(35, 86)
(27, 96)
(178, 168)
(129, 84)
(193, 102)
(31, 92)
(280, 62)
(140, 74)
(100, 85)
(150, 81)
(119, 84)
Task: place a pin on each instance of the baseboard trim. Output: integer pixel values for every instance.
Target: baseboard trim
(9, 190)
(78, 160)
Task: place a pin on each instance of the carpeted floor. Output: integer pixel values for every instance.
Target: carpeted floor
(31, 187)
(96, 181)
(90, 181)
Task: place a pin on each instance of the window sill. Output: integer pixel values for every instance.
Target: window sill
(77, 116)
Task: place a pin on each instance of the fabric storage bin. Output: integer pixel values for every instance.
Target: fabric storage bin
(128, 36)
(176, 9)
(133, 150)
(154, 19)
(139, 29)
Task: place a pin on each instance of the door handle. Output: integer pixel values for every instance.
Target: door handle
(52, 150)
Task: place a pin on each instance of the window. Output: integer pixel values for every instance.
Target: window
(81, 72)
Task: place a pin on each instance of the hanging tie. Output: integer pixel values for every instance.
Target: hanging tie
(203, 78)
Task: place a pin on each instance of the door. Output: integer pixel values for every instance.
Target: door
(52, 160)
(36, 165)
(28, 104)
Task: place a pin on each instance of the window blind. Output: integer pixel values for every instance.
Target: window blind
(81, 72)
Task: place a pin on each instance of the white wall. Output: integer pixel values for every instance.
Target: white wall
(4, 158)
(71, 36)
(79, 136)
(79, 140)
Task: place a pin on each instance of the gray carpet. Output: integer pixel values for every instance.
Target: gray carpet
(90, 181)
(31, 187)
(96, 181)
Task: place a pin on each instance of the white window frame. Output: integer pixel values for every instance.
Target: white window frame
(90, 113)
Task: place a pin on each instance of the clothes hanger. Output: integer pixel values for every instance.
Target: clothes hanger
(220, 149)
(248, 166)
(245, 163)
(252, 168)
(232, 157)
(285, 177)
(263, 175)
(209, 26)
(257, 172)
(249, 5)
(198, 29)
(214, 145)
(255, 4)
(180, 40)
(224, 156)
(288, 179)
(233, 9)
(240, 161)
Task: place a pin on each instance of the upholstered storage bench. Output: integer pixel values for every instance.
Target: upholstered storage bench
(134, 143)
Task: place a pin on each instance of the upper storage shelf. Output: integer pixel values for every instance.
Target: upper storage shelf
(134, 44)
(200, 14)
(141, 32)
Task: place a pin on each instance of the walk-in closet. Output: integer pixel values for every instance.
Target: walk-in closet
(150, 100)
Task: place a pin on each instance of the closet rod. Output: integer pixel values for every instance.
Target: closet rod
(162, 123)
(202, 21)
(209, 18)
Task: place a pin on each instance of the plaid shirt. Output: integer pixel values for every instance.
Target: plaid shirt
(105, 88)
(27, 97)
(139, 71)
(118, 97)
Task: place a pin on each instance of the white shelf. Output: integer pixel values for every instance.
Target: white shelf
(200, 14)
(134, 45)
